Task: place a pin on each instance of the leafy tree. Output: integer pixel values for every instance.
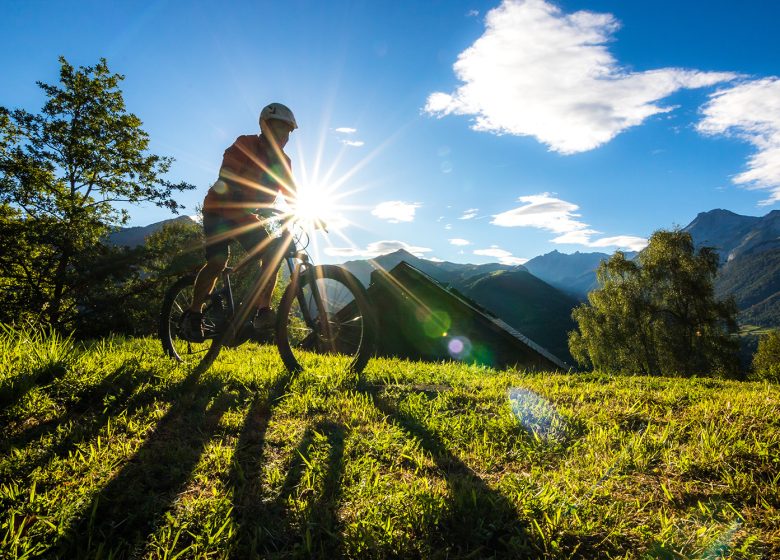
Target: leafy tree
(766, 361)
(174, 250)
(657, 315)
(142, 274)
(62, 173)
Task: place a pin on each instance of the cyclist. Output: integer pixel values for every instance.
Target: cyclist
(254, 171)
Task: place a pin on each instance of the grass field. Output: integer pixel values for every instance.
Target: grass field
(112, 451)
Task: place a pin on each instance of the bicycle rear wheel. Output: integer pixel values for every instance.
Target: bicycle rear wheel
(325, 311)
(215, 319)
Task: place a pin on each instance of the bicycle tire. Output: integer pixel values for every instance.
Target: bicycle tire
(215, 316)
(350, 320)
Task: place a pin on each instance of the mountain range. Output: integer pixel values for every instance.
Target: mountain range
(749, 249)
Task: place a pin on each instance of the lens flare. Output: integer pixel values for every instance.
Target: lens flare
(536, 414)
(459, 347)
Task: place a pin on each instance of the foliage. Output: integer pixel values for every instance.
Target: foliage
(657, 315)
(174, 250)
(62, 173)
(134, 308)
(766, 361)
(124, 454)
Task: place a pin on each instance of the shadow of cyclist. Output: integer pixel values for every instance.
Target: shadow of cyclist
(124, 512)
(249, 510)
(479, 520)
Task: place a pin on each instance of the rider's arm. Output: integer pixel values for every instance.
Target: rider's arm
(286, 183)
(250, 181)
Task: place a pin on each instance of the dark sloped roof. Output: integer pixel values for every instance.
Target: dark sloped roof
(420, 318)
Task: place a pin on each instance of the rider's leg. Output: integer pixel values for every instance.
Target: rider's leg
(217, 255)
(206, 280)
(266, 290)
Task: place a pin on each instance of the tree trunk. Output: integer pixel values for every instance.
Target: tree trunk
(55, 306)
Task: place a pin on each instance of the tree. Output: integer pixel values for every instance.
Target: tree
(766, 361)
(657, 315)
(62, 173)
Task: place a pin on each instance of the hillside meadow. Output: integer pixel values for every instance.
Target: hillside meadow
(110, 450)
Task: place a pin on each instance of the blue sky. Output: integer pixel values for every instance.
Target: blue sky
(462, 131)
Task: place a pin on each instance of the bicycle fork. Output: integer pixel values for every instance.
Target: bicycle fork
(301, 274)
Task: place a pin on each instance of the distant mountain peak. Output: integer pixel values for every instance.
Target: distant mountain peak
(136, 235)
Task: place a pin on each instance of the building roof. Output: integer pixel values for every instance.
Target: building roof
(420, 318)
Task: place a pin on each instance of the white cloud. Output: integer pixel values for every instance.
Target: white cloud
(621, 242)
(750, 111)
(544, 211)
(346, 130)
(395, 211)
(469, 214)
(504, 257)
(460, 242)
(376, 249)
(539, 72)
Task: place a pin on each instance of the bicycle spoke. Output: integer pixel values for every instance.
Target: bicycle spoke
(336, 325)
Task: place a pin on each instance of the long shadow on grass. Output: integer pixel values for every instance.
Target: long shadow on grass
(321, 524)
(84, 419)
(313, 530)
(479, 521)
(248, 511)
(122, 515)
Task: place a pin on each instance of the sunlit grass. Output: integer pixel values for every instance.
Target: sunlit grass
(122, 453)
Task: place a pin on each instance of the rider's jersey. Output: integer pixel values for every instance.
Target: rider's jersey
(251, 176)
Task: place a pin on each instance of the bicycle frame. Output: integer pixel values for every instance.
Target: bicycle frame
(299, 266)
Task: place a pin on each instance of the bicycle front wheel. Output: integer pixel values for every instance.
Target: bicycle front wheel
(325, 311)
(215, 318)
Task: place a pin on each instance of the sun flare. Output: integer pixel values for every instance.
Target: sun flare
(317, 206)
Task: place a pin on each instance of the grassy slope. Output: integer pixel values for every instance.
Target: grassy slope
(117, 452)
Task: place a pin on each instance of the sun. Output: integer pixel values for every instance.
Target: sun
(316, 205)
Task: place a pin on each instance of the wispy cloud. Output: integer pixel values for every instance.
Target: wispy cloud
(544, 211)
(376, 249)
(348, 131)
(503, 256)
(537, 71)
(395, 211)
(460, 242)
(469, 214)
(750, 111)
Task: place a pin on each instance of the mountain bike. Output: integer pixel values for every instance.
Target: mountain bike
(324, 309)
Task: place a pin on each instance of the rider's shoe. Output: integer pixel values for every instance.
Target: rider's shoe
(192, 326)
(264, 321)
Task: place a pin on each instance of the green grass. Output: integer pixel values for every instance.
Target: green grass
(112, 451)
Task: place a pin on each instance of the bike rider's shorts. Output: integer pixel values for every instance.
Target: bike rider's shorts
(219, 231)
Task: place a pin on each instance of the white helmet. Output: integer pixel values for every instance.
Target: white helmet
(279, 112)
